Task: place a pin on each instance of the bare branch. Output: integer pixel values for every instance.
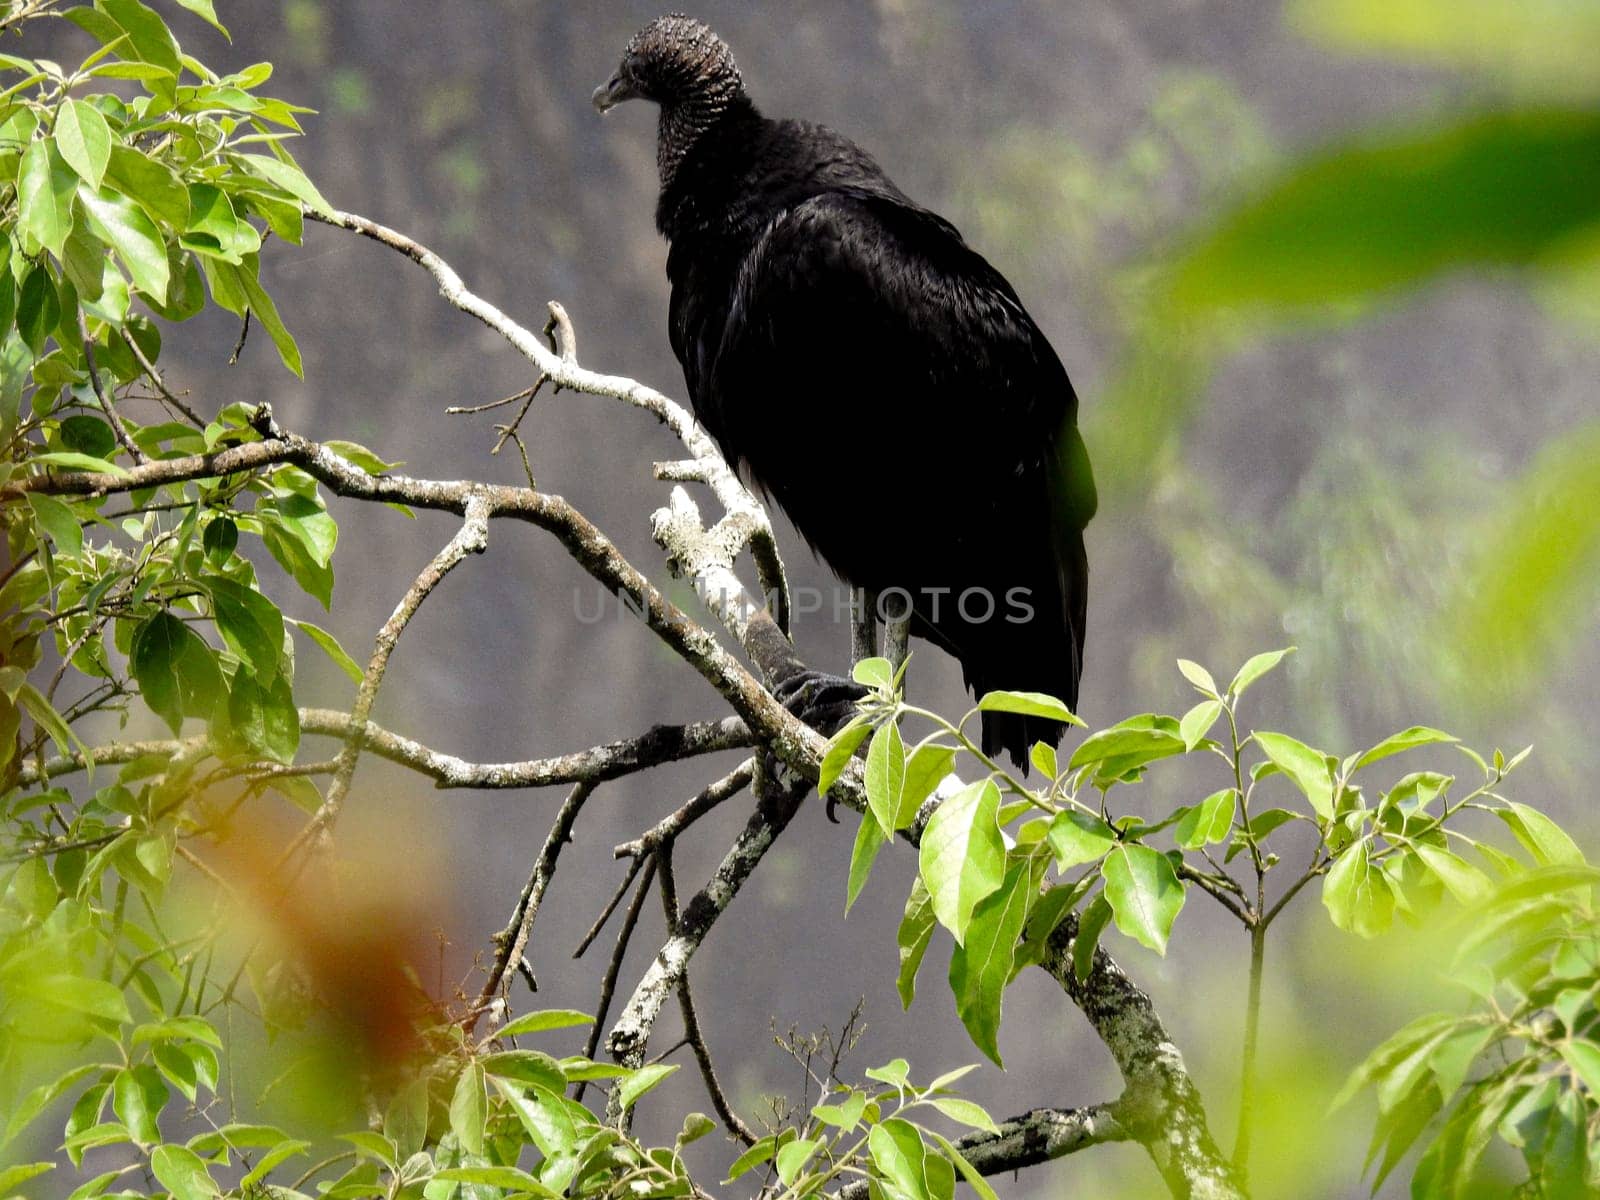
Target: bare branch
(670, 826)
(1160, 1106)
(512, 941)
(612, 760)
(631, 1034)
(702, 1053)
(471, 538)
(106, 406)
(608, 985)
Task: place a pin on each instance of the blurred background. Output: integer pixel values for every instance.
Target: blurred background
(1329, 487)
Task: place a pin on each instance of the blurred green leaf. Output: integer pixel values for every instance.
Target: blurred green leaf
(1532, 591)
(1515, 188)
(1540, 43)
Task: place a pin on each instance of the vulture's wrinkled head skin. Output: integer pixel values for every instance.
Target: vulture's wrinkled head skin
(675, 61)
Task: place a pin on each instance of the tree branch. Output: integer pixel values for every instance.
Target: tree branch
(1160, 1107)
(512, 941)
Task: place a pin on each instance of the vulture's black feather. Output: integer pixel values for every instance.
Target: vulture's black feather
(873, 374)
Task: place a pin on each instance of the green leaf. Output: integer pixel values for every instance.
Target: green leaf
(915, 932)
(13, 1176)
(38, 312)
(215, 229)
(1078, 838)
(980, 967)
(538, 1022)
(753, 1157)
(1406, 739)
(1357, 895)
(874, 673)
(791, 1160)
(962, 856)
(1127, 746)
(1199, 676)
(84, 139)
(896, 1073)
(469, 1109)
(220, 539)
(509, 1179)
(527, 1066)
(149, 39)
(977, 1182)
(841, 749)
(290, 178)
(1144, 892)
(71, 460)
(153, 185)
(250, 624)
(131, 233)
(898, 1154)
(925, 769)
(845, 1116)
(45, 186)
(641, 1081)
(138, 1096)
(75, 993)
(886, 776)
(176, 671)
(1541, 43)
(266, 312)
(1029, 704)
(1197, 722)
(1207, 822)
(406, 1121)
(1374, 217)
(1583, 1056)
(59, 522)
(967, 1113)
(1258, 666)
(1546, 841)
(869, 840)
(1307, 768)
(1464, 881)
(204, 10)
(183, 1173)
(1090, 926)
(331, 647)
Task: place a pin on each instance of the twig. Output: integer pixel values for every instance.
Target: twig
(670, 826)
(471, 538)
(697, 1041)
(630, 1035)
(456, 410)
(611, 905)
(238, 346)
(608, 985)
(106, 406)
(154, 375)
(512, 941)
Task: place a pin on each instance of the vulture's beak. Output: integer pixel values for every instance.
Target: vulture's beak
(613, 92)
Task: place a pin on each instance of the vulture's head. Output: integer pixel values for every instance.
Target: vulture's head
(677, 62)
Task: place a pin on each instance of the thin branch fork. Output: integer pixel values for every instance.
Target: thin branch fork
(511, 943)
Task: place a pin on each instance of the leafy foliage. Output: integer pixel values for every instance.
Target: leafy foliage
(1003, 864)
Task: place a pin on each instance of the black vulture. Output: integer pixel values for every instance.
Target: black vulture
(873, 374)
